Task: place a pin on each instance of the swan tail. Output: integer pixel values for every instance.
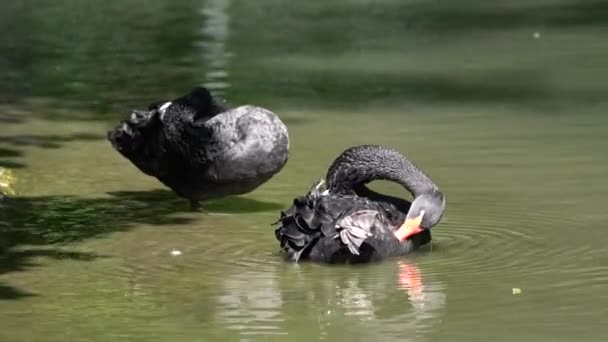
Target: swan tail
(330, 220)
(299, 227)
(295, 229)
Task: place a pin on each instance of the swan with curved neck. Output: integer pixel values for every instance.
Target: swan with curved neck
(360, 165)
(348, 222)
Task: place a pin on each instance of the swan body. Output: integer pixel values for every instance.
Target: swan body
(201, 150)
(342, 221)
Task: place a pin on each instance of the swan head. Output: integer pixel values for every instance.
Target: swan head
(425, 212)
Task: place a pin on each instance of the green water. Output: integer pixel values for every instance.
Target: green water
(502, 103)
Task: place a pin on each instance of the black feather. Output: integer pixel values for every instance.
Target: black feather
(202, 151)
(347, 222)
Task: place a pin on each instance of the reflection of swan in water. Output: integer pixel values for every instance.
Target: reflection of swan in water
(425, 298)
(399, 304)
(215, 29)
(393, 301)
(251, 303)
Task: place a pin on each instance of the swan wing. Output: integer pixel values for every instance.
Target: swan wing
(355, 228)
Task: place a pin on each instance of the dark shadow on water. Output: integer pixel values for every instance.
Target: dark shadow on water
(232, 204)
(21, 259)
(43, 226)
(7, 152)
(10, 153)
(11, 164)
(47, 141)
(10, 145)
(8, 292)
(10, 118)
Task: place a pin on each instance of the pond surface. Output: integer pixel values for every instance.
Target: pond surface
(503, 105)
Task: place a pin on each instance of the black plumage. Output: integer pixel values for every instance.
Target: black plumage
(201, 150)
(344, 221)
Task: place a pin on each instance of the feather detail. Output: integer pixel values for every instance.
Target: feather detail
(354, 229)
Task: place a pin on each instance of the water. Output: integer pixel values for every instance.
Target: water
(503, 105)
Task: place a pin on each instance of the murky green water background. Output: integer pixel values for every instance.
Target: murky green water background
(502, 103)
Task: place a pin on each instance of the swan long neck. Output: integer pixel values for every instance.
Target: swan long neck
(364, 164)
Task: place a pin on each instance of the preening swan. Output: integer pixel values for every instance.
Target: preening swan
(343, 220)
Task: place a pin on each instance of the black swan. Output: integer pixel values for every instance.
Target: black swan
(341, 220)
(201, 150)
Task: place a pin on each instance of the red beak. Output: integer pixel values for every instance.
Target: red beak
(410, 227)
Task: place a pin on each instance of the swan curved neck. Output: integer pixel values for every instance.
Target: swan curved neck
(364, 164)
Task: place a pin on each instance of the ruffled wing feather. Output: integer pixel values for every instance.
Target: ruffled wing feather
(355, 228)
